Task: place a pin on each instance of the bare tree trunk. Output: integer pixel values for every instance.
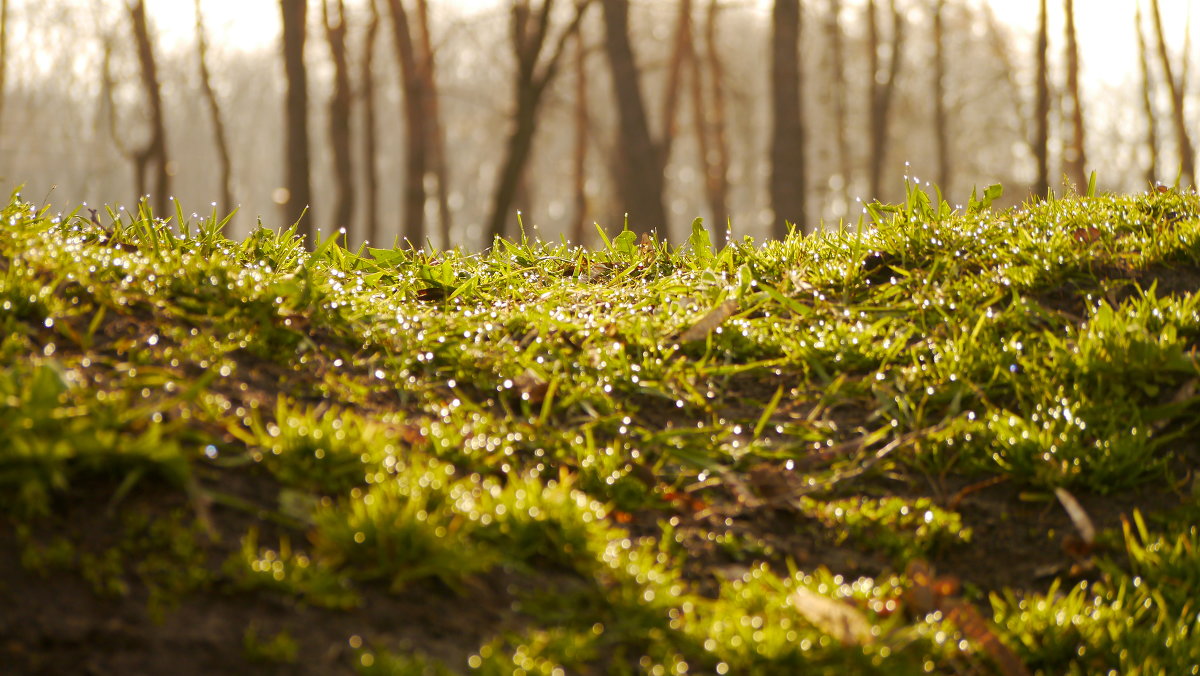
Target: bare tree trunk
(1041, 140)
(579, 158)
(296, 161)
(154, 154)
(1147, 98)
(834, 28)
(439, 163)
(940, 121)
(370, 145)
(530, 36)
(787, 141)
(415, 127)
(108, 100)
(873, 47)
(1075, 158)
(528, 46)
(683, 38)
(525, 27)
(341, 103)
(1186, 49)
(1187, 157)
(700, 115)
(708, 116)
(523, 201)
(882, 90)
(214, 112)
(3, 56)
(717, 168)
(639, 177)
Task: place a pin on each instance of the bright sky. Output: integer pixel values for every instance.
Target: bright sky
(250, 23)
(1107, 42)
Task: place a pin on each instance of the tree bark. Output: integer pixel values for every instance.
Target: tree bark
(153, 156)
(1041, 139)
(708, 116)
(439, 162)
(1075, 158)
(225, 163)
(3, 57)
(716, 167)
(296, 153)
(834, 28)
(1187, 157)
(341, 103)
(670, 109)
(530, 31)
(579, 232)
(881, 90)
(940, 121)
(370, 139)
(703, 127)
(1185, 62)
(526, 26)
(1147, 99)
(415, 127)
(787, 139)
(639, 173)
(108, 99)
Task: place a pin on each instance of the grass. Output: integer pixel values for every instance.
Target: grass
(835, 454)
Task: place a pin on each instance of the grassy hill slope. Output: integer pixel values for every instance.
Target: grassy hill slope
(955, 441)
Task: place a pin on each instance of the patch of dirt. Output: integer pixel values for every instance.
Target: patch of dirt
(1024, 540)
(1021, 539)
(1071, 298)
(55, 623)
(1174, 280)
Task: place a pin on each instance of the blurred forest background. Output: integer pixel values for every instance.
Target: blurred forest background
(439, 120)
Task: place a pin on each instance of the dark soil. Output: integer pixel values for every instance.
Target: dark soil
(54, 622)
(1117, 284)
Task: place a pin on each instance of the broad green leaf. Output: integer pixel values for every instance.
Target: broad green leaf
(625, 243)
(700, 243)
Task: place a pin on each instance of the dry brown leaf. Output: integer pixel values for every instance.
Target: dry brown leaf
(976, 627)
(958, 497)
(410, 434)
(930, 593)
(1079, 517)
(647, 248)
(709, 322)
(839, 619)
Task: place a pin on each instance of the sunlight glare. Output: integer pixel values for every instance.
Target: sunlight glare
(1107, 42)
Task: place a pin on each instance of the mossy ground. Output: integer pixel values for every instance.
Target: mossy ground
(945, 441)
